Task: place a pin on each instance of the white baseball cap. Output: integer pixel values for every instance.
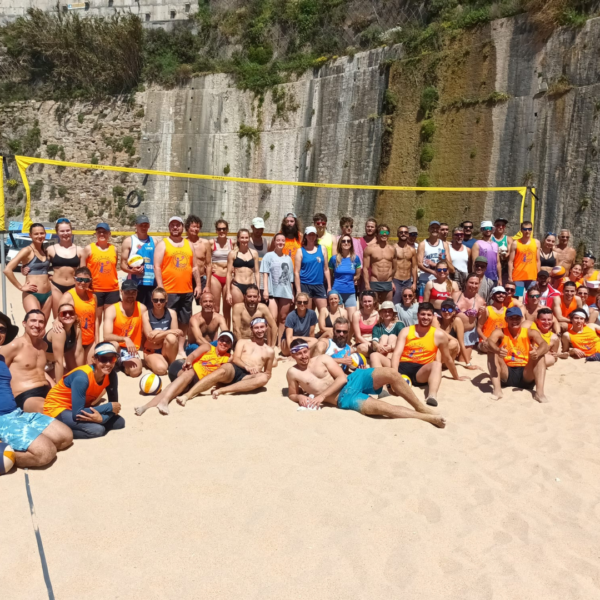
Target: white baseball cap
(178, 219)
(310, 229)
(258, 223)
(486, 224)
(497, 289)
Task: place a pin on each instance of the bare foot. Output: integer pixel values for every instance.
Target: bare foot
(539, 398)
(163, 407)
(140, 410)
(426, 410)
(438, 421)
(182, 399)
(215, 393)
(497, 396)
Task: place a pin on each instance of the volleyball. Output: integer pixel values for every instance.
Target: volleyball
(135, 261)
(8, 458)
(407, 380)
(358, 360)
(150, 384)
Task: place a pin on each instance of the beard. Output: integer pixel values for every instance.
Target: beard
(290, 231)
(340, 341)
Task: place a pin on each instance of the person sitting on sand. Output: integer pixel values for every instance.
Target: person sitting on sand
(337, 346)
(200, 363)
(313, 382)
(416, 351)
(249, 369)
(243, 314)
(26, 359)
(564, 305)
(300, 322)
(161, 333)
(547, 325)
(205, 325)
(515, 357)
(64, 348)
(582, 340)
(123, 327)
(75, 399)
(34, 437)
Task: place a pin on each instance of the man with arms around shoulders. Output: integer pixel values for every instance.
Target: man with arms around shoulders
(202, 252)
(123, 328)
(516, 357)
(202, 361)
(565, 255)
(249, 369)
(406, 272)
(431, 251)
(563, 306)
(25, 356)
(243, 314)
(548, 328)
(174, 266)
(380, 265)
(504, 243)
(487, 247)
(582, 340)
(324, 238)
(300, 322)
(143, 245)
(75, 399)
(34, 437)
(313, 382)
(524, 261)
(494, 317)
(416, 350)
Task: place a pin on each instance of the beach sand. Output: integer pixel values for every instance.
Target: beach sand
(246, 497)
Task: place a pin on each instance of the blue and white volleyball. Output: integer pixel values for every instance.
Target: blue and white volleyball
(358, 360)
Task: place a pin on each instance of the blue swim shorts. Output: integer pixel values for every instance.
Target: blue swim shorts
(20, 429)
(357, 390)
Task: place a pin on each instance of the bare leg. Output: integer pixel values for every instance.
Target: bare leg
(132, 367)
(40, 452)
(495, 369)
(379, 360)
(539, 373)
(431, 374)
(171, 346)
(249, 383)
(391, 377)
(59, 434)
(224, 374)
(217, 291)
(383, 409)
(157, 363)
(283, 308)
(169, 393)
(34, 404)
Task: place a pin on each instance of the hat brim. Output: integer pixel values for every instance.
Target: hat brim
(11, 330)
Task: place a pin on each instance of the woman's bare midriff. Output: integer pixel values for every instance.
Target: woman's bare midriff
(42, 282)
(244, 276)
(64, 275)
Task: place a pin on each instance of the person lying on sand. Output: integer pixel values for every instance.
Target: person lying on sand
(249, 369)
(320, 380)
(515, 357)
(200, 363)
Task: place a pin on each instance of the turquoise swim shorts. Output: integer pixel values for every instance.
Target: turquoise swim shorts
(357, 390)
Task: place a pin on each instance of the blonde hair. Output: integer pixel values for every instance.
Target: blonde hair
(449, 287)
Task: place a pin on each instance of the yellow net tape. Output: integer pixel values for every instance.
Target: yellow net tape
(23, 162)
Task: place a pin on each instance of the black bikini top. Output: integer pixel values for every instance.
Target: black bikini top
(239, 263)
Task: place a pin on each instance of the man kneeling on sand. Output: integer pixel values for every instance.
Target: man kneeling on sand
(515, 357)
(249, 369)
(200, 363)
(320, 380)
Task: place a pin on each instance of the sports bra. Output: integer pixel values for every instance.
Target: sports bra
(162, 324)
(69, 342)
(37, 266)
(219, 255)
(547, 261)
(240, 263)
(437, 295)
(59, 261)
(328, 322)
(470, 312)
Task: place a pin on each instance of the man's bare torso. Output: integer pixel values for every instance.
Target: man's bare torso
(404, 258)
(315, 379)
(381, 262)
(209, 325)
(201, 249)
(565, 257)
(255, 355)
(27, 365)
(241, 320)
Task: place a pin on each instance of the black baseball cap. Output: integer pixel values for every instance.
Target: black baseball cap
(129, 284)
(142, 219)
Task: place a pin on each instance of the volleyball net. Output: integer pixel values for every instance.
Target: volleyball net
(250, 192)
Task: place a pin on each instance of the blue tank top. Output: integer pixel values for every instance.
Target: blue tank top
(145, 249)
(311, 271)
(7, 398)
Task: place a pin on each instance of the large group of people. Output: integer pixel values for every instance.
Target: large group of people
(360, 319)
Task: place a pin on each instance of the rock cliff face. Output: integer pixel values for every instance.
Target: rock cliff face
(511, 109)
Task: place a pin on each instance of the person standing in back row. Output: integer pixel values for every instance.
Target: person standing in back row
(524, 259)
(140, 244)
(488, 248)
(174, 263)
(311, 271)
(101, 259)
(504, 243)
(324, 238)
(460, 256)
(468, 240)
(405, 275)
(380, 265)
(203, 251)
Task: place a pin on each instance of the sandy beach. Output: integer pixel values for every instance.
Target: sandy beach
(247, 497)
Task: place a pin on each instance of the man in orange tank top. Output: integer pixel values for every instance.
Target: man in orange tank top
(563, 306)
(175, 263)
(123, 328)
(416, 353)
(582, 340)
(524, 260)
(516, 357)
(492, 318)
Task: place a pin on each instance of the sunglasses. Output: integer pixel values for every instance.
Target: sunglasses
(510, 290)
(486, 228)
(105, 360)
(346, 241)
(384, 232)
(340, 331)
(442, 270)
(564, 237)
(301, 302)
(63, 220)
(533, 297)
(467, 226)
(67, 313)
(83, 280)
(159, 300)
(320, 222)
(447, 309)
(403, 232)
(551, 233)
(500, 294)
(459, 235)
(526, 228)
(221, 228)
(407, 295)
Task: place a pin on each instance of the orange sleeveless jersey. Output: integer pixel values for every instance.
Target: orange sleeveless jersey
(547, 337)
(130, 327)
(567, 310)
(291, 247)
(103, 265)
(177, 267)
(517, 348)
(509, 302)
(86, 311)
(420, 350)
(587, 341)
(525, 263)
(59, 397)
(494, 321)
(210, 361)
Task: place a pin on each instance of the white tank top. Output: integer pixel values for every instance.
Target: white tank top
(262, 251)
(219, 255)
(433, 255)
(460, 258)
